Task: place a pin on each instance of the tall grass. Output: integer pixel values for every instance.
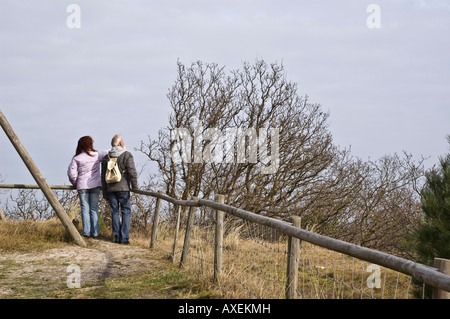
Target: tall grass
(27, 235)
(255, 266)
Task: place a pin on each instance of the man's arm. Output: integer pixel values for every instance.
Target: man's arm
(131, 170)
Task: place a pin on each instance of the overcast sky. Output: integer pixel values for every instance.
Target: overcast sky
(387, 89)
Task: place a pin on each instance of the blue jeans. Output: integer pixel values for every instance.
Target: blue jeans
(120, 203)
(89, 210)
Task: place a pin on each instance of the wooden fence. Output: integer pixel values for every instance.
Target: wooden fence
(429, 275)
(432, 276)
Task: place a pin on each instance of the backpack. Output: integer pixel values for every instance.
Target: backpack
(113, 174)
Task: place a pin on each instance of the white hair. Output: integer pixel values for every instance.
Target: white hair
(116, 140)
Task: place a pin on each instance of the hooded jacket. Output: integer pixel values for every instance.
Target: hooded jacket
(84, 170)
(125, 161)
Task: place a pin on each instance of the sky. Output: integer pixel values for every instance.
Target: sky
(381, 72)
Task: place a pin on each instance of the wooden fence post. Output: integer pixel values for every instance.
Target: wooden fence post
(218, 244)
(40, 180)
(187, 236)
(155, 221)
(292, 262)
(177, 229)
(442, 265)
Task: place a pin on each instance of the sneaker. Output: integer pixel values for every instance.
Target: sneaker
(125, 242)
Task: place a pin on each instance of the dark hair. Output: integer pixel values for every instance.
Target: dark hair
(86, 143)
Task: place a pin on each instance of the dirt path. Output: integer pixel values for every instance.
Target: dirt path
(37, 273)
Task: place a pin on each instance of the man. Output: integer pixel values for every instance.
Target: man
(118, 193)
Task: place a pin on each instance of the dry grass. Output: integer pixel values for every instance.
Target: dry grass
(254, 266)
(30, 235)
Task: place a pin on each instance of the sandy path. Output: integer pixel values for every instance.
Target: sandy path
(52, 267)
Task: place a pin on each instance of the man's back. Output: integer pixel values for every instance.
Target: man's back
(125, 161)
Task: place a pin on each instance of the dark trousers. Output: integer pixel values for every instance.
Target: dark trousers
(120, 204)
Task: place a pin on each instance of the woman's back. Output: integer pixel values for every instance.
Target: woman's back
(84, 170)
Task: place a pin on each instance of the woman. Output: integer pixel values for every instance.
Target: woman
(84, 174)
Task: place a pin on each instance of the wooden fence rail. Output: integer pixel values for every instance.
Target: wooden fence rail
(429, 275)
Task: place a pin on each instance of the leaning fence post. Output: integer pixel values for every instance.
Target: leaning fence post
(40, 180)
(155, 220)
(177, 229)
(292, 262)
(187, 236)
(218, 244)
(442, 265)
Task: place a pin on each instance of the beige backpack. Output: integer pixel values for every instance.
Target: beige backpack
(113, 174)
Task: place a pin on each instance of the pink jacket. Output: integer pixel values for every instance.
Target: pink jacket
(84, 170)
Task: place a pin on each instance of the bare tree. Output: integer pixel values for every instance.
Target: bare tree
(142, 207)
(26, 204)
(334, 193)
(256, 97)
(383, 207)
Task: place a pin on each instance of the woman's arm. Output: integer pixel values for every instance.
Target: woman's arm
(72, 172)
